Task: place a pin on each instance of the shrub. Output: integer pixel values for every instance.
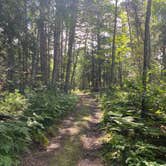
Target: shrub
(34, 114)
(133, 140)
(47, 107)
(15, 138)
(13, 103)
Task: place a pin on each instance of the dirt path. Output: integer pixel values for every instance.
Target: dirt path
(77, 142)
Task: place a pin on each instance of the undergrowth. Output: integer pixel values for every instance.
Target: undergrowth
(131, 140)
(26, 120)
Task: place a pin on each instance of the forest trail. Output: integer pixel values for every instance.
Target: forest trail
(78, 141)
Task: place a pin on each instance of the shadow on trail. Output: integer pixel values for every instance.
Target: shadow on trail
(77, 142)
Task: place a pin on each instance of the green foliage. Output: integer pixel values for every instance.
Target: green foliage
(5, 160)
(133, 140)
(13, 103)
(47, 106)
(156, 98)
(15, 138)
(35, 114)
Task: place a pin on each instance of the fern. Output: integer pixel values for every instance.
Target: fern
(133, 141)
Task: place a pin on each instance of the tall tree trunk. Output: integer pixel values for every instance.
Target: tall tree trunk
(35, 59)
(71, 42)
(10, 65)
(93, 70)
(130, 30)
(139, 35)
(98, 83)
(113, 45)
(48, 55)
(66, 41)
(93, 63)
(61, 55)
(49, 37)
(120, 72)
(74, 68)
(25, 51)
(138, 27)
(34, 66)
(164, 61)
(43, 43)
(146, 55)
(55, 74)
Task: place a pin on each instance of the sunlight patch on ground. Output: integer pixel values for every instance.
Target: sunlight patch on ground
(53, 147)
(70, 131)
(77, 140)
(82, 124)
(87, 162)
(90, 142)
(86, 118)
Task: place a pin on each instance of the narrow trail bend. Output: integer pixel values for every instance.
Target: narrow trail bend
(78, 141)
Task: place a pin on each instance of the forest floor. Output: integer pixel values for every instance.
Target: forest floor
(77, 141)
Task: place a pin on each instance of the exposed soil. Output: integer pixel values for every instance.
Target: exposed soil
(78, 141)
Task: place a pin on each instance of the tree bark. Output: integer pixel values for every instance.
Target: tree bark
(74, 68)
(55, 74)
(146, 54)
(70, 43)
(130, 29)
(10, 65)
(164, 60)
(113, 45)
(43, 43)
(25, 52)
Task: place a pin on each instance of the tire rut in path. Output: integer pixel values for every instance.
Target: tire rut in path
(78, 141)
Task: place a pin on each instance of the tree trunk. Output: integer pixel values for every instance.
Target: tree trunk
(113, 45)
(130, 30)
(61, 54)
(74, 68)
(55, 74)
(25, 52)
(70, 44)
(146, 55)
(98, 59)
(34, 66)
(10, 65)
(43, 43)
(93, 70)
(120, 77)
(164, 61)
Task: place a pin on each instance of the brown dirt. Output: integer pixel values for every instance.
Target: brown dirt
(77, 142)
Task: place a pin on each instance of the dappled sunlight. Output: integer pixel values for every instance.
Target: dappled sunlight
(53, 146)
(81, 134)
(70, 131)
(82, 82)
(89, 162)
(86, 118)
(82, 124)
(106, 138)
(78, 92)
(76, 138)
(67, 122)
(90, 142)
